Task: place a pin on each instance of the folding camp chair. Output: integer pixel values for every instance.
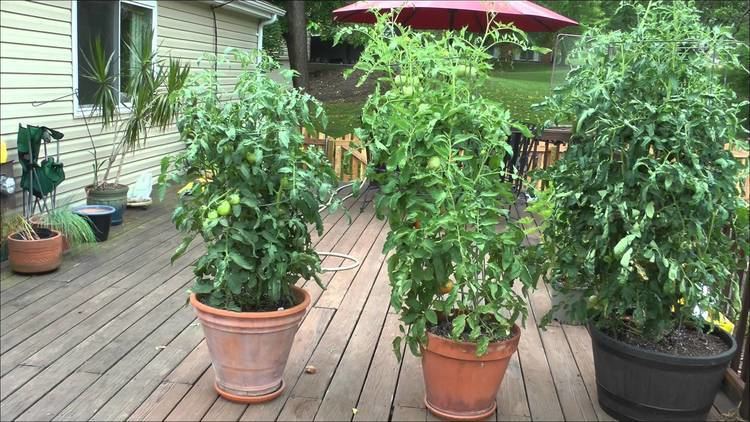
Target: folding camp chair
(39, 180)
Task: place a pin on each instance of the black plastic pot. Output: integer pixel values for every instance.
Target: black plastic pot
(99, 217)
(636, 384)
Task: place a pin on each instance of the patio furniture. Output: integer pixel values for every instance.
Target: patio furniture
(476, 16)
(39, 180)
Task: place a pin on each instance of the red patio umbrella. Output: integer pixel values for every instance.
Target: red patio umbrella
(474, 15)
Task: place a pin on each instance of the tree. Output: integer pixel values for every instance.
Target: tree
(302, 17)
(296, 41)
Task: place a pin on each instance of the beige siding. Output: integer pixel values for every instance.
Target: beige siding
(36, 65)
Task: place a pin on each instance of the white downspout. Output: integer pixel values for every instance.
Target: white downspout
(273, 19)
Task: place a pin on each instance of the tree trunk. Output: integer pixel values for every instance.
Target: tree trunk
(296, 41)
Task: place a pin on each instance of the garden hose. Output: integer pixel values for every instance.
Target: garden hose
(345, 257)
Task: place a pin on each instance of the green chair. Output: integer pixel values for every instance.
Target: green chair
(39, 181)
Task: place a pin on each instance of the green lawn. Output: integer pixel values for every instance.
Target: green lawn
(518, 89)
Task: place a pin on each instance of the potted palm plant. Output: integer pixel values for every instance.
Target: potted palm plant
(252, 213)
(642, 206)
(146, 101)
(459, 268)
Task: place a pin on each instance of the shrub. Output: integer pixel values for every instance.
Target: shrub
(646, 195)
(437, 150)
(260, 186)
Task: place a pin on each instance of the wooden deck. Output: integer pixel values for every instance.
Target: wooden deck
(109, 337)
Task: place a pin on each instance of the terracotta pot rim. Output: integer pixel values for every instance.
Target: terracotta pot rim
(300, 307)
(57, 234)
(450, 346)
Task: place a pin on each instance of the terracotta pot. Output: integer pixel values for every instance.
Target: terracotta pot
(458, 384)
(35, 256)
(249, 350)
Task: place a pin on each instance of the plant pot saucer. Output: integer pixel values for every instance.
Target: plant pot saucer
(445, 415)
(139, 203)
(249, 399)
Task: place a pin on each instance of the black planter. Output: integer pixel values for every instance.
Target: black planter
(99, 217)
(636, 384)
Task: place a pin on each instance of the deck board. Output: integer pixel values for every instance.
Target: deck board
(108, 337)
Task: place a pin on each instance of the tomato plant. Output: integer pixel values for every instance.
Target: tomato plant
(456, 253)
(646, 196)
(264, 189)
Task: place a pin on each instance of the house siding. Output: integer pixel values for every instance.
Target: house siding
(36, 64)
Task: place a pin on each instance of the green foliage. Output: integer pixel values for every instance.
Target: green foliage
(443, 147)
(645, 196)
(273, 40)
(263, 189)
(75, 227)
(516, 89)
(318, 14)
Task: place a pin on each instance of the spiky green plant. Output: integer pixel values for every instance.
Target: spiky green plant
(76, 228)
(149, 96)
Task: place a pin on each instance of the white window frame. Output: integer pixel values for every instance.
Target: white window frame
(85, 110)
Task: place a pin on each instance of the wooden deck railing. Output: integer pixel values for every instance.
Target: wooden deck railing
(349, 157)
(347, 154)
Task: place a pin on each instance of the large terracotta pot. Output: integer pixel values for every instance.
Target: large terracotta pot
(249, 350)
(458, 384)
(36, 256)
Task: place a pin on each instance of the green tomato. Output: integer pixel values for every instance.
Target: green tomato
(461, 70)
(212, 215)
(234, 199)
(408, 90)
(472, 72)
(400, 80)
(423, 108)
(250, 158)
(224, 208)
(495, 162)
(433, 163)
(414, 80)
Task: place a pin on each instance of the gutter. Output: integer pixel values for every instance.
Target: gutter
(256, 8)
(273, 19)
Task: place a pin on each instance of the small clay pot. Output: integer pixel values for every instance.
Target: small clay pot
(36, 256)
(249, 350)
(459, 385)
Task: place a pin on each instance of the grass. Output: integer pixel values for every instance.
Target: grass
(517, 89)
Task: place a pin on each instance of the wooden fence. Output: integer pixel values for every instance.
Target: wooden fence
(347, 154)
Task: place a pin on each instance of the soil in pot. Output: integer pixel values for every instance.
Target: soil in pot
(99, 218)
(35, 256)
(459, 385)
(676, 378)
(112, 194)
(249, 350)
(683, 341)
